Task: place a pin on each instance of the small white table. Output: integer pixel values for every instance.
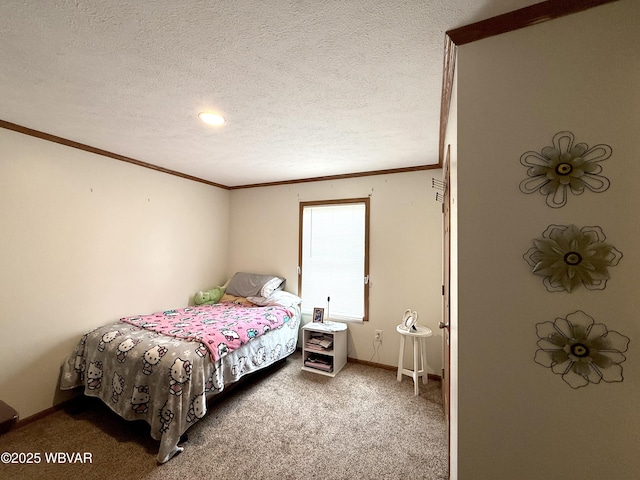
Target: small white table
(419, 354)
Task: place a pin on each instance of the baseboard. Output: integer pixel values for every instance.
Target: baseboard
(78, 396)
(431, 376)
(70, 401)
(45, 413)
(384, 366)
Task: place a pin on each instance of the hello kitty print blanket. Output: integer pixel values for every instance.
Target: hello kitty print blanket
(166, 380)
(221, 327)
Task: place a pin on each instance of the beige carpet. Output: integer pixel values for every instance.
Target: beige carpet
(287, 424)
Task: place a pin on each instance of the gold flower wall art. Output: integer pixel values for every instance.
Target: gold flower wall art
(568, 256)
(564, 167)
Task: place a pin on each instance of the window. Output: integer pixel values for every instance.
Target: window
(333, 258)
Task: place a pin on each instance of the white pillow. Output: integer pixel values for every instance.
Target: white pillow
(271, 286)
(279, 297)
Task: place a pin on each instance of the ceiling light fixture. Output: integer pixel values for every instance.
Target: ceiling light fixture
(211, 118)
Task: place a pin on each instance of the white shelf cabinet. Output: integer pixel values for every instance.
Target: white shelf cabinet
(337, 354)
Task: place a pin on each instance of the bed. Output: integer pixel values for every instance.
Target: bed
(163, 367)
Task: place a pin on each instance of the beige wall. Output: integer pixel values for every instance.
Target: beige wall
(84, 240)
(515, 91)
(405, 250)
(87, 239)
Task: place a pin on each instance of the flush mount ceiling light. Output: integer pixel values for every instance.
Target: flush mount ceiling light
(211, 118)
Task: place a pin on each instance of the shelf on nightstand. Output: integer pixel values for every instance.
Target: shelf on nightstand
(324, 361)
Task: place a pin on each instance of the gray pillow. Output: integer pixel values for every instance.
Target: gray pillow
(251, 284)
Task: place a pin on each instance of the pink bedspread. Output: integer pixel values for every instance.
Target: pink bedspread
(221, 328)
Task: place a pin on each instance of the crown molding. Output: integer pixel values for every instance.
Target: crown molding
(508, 22)
(116, 156)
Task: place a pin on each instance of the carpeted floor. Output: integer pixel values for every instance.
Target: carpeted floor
(286, 424)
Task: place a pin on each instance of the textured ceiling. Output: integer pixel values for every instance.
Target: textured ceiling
(309, 88)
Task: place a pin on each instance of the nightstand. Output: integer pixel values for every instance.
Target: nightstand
(324, 347)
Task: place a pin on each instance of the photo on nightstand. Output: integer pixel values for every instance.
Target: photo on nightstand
(318, 315)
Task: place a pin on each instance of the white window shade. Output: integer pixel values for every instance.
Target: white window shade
(333, 260)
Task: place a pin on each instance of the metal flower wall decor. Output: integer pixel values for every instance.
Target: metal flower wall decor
(581, 350)
(564, 167)
(568, 256)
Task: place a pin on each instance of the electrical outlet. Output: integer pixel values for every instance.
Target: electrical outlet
(378, 336)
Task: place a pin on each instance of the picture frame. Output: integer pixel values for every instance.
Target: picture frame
(409, 319)
(318, 315)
